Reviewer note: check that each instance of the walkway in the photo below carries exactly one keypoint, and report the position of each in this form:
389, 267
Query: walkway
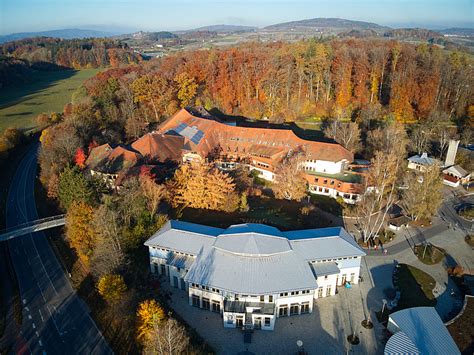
33, 226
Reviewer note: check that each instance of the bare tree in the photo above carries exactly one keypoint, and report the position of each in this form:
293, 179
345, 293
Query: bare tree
380, 196
290, 183
392, 138
419, 139
108, 254
346, 134
153, 192
167, 339
423, 196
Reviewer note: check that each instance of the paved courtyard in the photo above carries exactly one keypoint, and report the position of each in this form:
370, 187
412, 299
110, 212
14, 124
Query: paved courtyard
323, 332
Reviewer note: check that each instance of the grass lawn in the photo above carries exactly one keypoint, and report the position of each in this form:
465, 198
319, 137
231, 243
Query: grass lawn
48, 91
430, 255
415, 286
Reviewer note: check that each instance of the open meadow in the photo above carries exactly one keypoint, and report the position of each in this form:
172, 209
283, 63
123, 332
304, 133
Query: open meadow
47, 91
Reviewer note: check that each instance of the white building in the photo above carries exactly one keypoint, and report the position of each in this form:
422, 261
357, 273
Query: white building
421, 162
252, 273
455, 176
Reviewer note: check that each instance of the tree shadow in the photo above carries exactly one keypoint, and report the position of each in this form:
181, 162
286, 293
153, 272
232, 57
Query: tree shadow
39, 80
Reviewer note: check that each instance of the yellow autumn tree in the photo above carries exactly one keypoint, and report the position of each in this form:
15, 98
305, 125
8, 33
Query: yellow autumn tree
201, 185
187, 88
150, 315
111, 287
79, 230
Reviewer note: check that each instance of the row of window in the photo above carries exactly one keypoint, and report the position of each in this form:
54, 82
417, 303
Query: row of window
293, 309
207, 304
294, 293
205, 288
262, 165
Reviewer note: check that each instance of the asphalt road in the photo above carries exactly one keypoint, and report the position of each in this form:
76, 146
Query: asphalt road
55, 319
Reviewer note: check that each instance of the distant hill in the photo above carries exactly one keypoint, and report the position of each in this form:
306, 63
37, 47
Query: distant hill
464, 32
68, 33
413, 33
152, 36
325, 24
224, 28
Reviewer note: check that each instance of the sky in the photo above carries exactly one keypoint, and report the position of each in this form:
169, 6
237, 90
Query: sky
155, 15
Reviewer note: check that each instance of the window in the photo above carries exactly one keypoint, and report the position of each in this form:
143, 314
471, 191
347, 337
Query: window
270, 298
294, 309
267, 321
284, 294
352, 278
195, 301
320, 292
305, 307
262, 298
283, 310
328, 291
326, 277
332, 182
230, 319
216, 306
205, 303
179, 269
236, 297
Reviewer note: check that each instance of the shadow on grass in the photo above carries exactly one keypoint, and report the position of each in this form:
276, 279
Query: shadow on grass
39, 81
415, 286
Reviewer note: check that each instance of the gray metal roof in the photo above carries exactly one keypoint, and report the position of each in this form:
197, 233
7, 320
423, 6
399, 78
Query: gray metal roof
240, 307
185, 237
324, 243
252, 244
422, 159
251, 275
255, 259
323, 269
400, 343
426, 330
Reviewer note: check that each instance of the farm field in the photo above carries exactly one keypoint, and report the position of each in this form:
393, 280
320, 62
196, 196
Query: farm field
48, 91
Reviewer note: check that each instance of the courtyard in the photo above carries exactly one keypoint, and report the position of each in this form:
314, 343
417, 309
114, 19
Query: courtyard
322, 332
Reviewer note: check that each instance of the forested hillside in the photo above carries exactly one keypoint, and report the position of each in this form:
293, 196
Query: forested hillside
283, 81
73, 53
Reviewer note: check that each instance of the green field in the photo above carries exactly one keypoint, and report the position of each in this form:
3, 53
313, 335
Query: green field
46, 92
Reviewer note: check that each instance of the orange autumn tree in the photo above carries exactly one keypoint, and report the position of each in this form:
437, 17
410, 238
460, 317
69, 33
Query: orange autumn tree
80, 158
111, 287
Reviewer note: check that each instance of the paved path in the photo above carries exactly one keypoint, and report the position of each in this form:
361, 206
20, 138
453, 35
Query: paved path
55, 320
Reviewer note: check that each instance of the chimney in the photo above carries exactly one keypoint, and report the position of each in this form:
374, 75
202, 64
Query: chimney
451, 154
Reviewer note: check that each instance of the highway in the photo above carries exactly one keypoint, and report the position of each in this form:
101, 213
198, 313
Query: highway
55, 319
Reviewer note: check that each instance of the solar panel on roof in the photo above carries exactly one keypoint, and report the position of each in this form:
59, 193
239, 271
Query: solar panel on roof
180, 127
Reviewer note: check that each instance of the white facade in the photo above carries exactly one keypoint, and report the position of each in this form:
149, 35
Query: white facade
325, 167
281, 277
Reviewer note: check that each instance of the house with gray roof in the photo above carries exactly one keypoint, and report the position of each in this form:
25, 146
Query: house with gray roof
421, 162
253, 273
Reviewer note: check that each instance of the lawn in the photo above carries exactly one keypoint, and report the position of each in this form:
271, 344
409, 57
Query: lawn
429, 254
48, 91
415, 286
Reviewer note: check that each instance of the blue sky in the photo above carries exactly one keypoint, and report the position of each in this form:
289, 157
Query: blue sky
34, 15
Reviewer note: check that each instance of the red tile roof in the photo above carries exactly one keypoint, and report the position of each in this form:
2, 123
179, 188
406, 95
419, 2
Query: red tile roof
159, 147
239, 140
107, 160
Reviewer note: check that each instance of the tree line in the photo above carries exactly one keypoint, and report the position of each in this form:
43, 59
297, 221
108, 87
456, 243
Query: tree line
71, 53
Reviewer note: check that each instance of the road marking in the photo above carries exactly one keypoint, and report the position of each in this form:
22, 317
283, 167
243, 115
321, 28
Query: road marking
27, 309
41, 314
24, 300
29, 316
37, 334
34, 326
40, 342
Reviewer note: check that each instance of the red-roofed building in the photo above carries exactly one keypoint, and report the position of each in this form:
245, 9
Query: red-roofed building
204, 136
